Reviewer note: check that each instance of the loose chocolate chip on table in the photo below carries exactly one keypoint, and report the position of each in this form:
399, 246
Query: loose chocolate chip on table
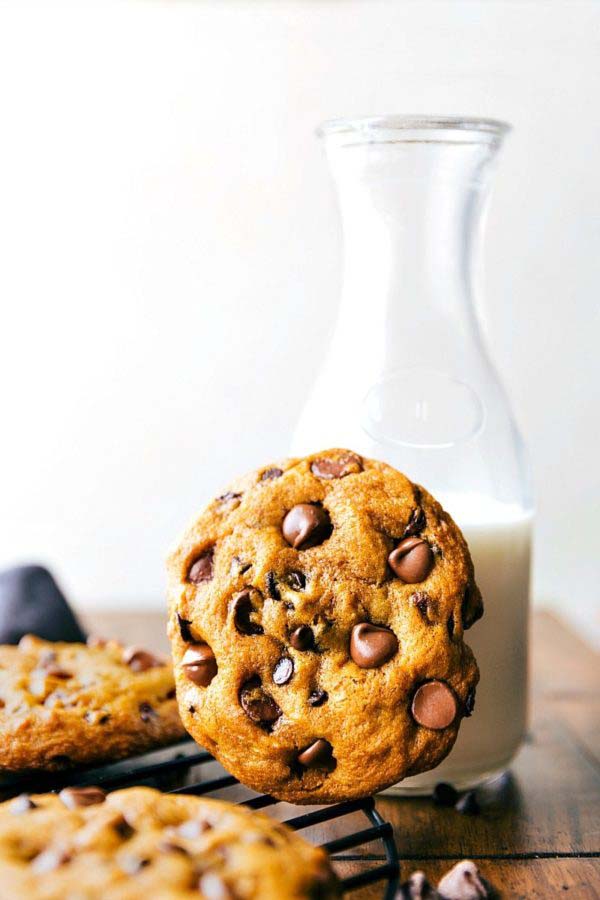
257, 704
22, 803
318, 698
283, 671
417, 888
463, 882
243, 610
270, 474
470, 703
416, 523
444, 794
199, 664
372, 645
472, 606
140, 660
184, 629
296, 580
202, 568
147, 713
302, 638
336, 467
434, 705
412, 560
74, 797
272, 589
319, 753
468, 804
306, 525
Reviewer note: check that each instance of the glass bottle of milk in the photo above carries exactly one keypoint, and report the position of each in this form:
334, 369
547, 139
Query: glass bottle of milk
408, 380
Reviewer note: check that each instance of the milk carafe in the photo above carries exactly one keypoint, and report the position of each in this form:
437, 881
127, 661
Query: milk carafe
408, 379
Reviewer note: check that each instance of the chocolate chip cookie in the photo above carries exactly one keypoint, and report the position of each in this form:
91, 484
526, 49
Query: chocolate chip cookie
66, 704
137, 844
317, 612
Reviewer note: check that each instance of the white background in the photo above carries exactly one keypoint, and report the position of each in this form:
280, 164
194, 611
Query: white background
169, 255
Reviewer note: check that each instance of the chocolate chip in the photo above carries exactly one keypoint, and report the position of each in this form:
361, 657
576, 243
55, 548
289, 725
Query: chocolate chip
258, 705
243, 611
238, 567
74, 797
469, 703
49, 860
417, 888
212, 887
434, 705
412, 560
167, 846
328, 467
96, 717
199, 664
316, 755
426, 605
306, 525
468, 804
372, 645
140, 660
147, 713
296, 580
450, 626
184, 629
283, 671
444, 794
131, 865
22, 803
123, 828
463, 882
227, 497
272, 589
416, 523
270, 474
471, 607
54, 671
302, 638
202, 568
318, 698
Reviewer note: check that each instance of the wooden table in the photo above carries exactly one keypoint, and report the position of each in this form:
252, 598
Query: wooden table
538, 832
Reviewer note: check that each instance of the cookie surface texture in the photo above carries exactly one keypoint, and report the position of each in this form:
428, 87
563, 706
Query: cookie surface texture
317, 611
137, 843
67, 704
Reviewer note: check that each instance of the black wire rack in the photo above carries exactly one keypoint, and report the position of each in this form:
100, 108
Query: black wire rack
354, 833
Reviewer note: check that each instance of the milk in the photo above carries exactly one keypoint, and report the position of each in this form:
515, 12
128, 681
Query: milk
499, 538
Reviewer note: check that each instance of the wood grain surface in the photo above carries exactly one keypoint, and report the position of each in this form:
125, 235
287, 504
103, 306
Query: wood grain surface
538, 832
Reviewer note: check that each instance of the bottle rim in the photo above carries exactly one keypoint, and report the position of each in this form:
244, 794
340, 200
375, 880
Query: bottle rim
405, 128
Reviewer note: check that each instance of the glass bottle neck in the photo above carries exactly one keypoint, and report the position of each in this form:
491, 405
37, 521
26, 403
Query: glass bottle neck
411, 215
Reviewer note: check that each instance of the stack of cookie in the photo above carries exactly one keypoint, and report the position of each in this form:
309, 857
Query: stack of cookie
317, 610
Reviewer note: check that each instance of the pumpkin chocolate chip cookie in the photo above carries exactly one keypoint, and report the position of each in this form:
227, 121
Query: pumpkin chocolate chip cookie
138, 843
66, 704
317, 611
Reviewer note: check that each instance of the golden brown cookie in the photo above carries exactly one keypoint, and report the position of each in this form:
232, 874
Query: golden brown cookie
137, 844
64, 704
317, 611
